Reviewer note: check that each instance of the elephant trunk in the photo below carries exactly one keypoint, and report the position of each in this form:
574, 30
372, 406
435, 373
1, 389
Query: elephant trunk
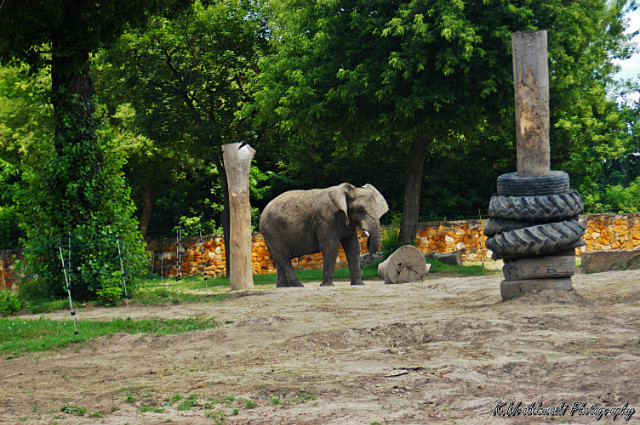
372, 226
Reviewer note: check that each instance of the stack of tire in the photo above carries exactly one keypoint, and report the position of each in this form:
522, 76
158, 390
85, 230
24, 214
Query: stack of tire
534, 227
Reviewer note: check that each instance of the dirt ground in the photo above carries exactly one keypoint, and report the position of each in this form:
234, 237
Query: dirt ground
443, 351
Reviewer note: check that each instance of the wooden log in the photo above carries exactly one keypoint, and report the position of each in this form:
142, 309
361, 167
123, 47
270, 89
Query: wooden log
531, 81
405, 265
553, 266
453, 258
515, 288
237, 162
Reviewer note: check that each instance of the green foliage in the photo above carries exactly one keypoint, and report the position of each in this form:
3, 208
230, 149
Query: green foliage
25, 119
74, 410
109, 295
10, 303
77, 188
390, 240
27, 27
20, 336
352, 84
82, 195
185, 77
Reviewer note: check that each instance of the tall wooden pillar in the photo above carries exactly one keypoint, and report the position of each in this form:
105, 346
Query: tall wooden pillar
538, 250
531, 80
237, 162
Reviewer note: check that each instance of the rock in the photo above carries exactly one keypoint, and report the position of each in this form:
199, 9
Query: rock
601, 261
453, 258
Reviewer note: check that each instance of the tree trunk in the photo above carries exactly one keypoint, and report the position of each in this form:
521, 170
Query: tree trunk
412, 188
72, 90
75, 137
146, 208
225, 211
237, 160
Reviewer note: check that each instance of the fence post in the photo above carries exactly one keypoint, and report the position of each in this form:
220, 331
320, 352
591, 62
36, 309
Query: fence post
124, 281
204, 263
4, 284
178, 255
66, 281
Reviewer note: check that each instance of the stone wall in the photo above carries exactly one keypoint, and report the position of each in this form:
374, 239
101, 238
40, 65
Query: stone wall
604, 232
198, 257
607, 232
449, 236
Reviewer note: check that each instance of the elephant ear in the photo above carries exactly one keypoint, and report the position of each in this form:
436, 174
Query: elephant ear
339, 196
381, 206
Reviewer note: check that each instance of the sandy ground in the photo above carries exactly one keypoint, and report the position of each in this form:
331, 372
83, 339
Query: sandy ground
443, 351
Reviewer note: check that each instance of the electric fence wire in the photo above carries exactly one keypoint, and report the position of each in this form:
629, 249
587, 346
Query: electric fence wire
18, 279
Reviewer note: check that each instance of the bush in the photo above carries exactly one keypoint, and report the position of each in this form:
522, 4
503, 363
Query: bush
80, 194
390, 240
110, 295
9, 303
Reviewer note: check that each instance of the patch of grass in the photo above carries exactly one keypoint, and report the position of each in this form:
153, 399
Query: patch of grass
153, 409
199, 282
20, 336
174, 295
186, 405
469, 270
300, 398
74, 410
45, 305
228, 401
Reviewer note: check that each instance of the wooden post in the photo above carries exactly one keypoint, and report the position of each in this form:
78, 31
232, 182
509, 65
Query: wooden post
237, 162
531, 81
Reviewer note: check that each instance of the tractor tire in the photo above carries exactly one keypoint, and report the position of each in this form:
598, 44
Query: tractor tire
511, 184
538, 208
493, 226
539, 240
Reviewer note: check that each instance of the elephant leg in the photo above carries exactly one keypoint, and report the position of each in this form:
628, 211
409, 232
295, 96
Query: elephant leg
285, 275
351, 247
329, 257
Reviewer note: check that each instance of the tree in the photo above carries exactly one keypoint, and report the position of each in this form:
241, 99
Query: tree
187, 77
416, 74
25, 118
80, 189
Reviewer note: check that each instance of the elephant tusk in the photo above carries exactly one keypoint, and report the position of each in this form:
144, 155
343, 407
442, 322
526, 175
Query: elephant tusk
366, 233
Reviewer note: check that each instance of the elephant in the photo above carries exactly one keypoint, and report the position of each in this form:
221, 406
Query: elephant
301, 222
